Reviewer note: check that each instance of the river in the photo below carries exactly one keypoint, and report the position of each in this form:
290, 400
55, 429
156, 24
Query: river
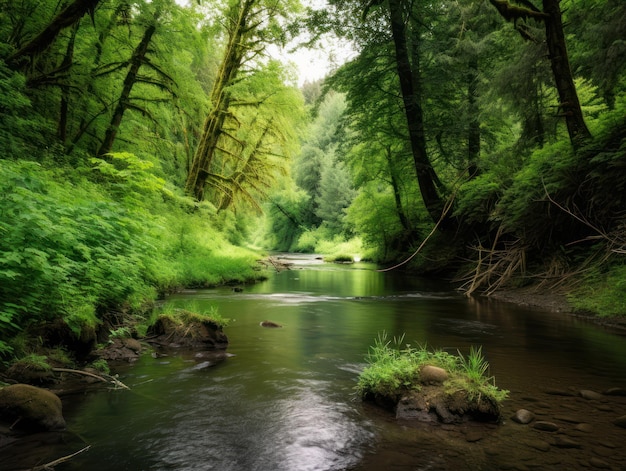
284, 400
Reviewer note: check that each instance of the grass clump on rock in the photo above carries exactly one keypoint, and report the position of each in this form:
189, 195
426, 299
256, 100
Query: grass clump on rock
418, 382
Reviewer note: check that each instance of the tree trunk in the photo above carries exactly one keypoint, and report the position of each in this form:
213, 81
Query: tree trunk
220, 100
473, 133
136, 60
70, 15
65, 91
411, 96
404, 220
570, 105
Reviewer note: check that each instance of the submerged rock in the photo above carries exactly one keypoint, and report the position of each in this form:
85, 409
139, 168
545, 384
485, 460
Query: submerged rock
270, 324
31, 408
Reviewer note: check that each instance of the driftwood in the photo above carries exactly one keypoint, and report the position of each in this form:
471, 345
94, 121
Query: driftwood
49, 466
105, 378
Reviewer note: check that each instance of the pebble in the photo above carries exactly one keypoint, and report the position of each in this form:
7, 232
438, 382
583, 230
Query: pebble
604, 452
591, 395
545, 426
604, 408
523, 416
615, 392
564, 442
568, 418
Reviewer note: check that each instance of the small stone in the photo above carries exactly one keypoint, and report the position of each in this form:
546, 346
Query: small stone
591, 395
598, 463
545, 426
523, 416
564, 442
605, 408
620, 421
604, 452
615, 392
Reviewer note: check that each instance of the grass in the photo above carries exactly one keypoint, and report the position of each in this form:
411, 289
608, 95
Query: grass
394, 369
192, 312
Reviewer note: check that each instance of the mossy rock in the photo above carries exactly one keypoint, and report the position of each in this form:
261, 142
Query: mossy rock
31, 408
189, 331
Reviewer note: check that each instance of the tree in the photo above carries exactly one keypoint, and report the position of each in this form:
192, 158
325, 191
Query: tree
250, 26
66, 18
559, 60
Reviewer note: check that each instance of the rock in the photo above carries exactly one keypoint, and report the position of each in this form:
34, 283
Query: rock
591, 395
565, 442
270, 324
620, 421
32, 408
523, 416
433, 375
545, 426
615, 392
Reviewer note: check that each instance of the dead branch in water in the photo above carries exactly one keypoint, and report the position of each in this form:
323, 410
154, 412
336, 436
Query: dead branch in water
49, 466
105, 378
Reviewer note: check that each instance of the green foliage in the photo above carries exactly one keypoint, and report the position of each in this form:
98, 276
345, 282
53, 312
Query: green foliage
394, 369
100, 365
603, 292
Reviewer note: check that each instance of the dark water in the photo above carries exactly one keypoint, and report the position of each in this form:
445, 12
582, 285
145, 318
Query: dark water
285, 400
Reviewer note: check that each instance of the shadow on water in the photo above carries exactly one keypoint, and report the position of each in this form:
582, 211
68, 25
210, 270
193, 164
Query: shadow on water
285, 400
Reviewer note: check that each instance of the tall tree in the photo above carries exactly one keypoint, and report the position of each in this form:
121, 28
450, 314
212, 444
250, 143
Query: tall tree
251, 25
559, 60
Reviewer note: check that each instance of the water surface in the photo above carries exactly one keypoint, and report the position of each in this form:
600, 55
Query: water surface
285, 400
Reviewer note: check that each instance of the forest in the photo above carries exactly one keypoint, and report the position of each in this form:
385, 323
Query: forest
149, 146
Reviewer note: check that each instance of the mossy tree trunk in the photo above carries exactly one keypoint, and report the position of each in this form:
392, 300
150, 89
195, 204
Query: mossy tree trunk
232, 61
570, 105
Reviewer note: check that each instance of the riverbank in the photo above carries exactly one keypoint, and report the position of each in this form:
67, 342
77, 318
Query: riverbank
554, 301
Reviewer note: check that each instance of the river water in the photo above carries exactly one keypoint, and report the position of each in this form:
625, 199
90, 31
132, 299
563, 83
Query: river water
284, 400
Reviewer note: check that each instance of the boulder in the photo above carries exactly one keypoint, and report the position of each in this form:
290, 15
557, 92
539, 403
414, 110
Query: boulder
31, 408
